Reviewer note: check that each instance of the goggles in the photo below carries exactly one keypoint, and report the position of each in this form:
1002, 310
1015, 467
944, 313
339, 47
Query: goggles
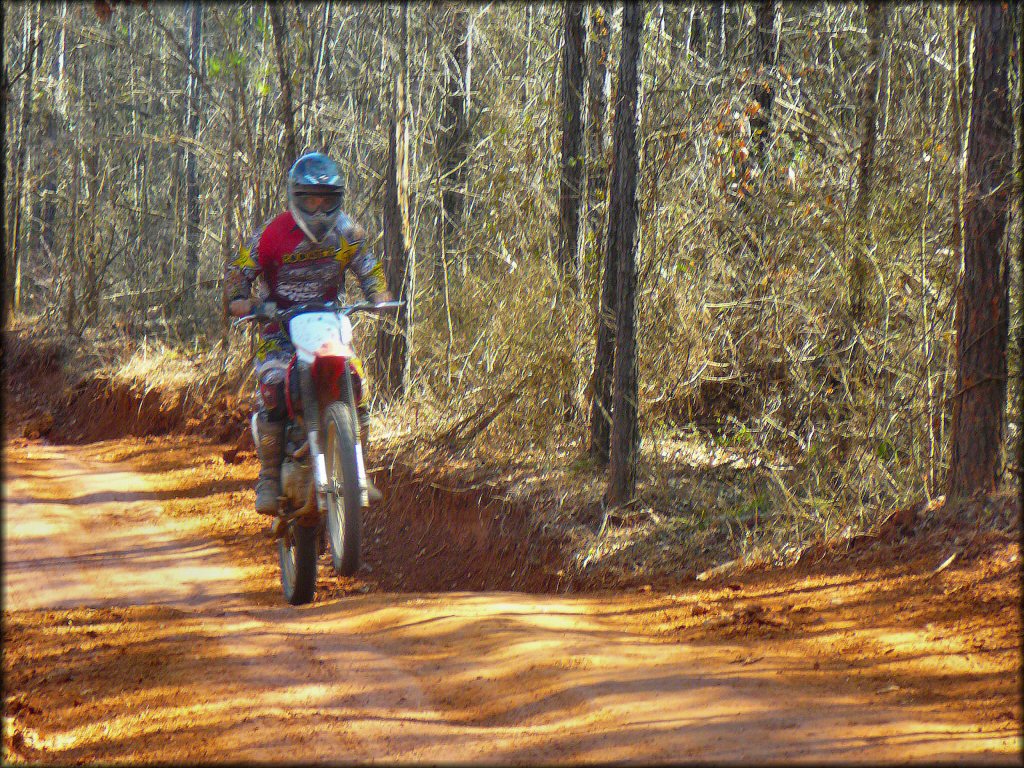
314, 203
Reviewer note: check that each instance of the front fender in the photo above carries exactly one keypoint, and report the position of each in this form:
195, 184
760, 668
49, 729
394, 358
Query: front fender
329, 370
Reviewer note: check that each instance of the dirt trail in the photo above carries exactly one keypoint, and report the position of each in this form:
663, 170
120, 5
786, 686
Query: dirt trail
131, 634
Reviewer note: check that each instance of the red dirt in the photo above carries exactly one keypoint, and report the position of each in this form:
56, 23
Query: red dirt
125, 580
457, 539
143, 621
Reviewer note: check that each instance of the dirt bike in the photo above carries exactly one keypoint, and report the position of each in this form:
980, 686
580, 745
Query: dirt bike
323, 486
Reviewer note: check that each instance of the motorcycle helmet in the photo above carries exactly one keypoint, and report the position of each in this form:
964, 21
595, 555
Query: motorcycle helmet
315, 191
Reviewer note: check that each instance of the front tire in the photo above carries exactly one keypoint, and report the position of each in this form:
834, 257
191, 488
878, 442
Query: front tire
297, 552
343, 508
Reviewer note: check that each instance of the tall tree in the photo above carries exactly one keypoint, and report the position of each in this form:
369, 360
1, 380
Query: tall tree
573, 150
4, 95
598, 93
393, 342
227, 245
278, 22
766, 54
453, 143
49, 202
866, 161
1019, 172
192, 110
694, 31
604, 350
16, 217
960, 82
625, 435
322, 64
4, 85
977, 447
716, 34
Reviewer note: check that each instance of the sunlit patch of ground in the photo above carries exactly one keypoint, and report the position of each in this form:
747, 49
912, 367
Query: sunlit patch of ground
910, 634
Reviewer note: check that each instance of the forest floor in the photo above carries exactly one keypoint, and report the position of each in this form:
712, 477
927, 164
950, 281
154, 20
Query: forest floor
143, 621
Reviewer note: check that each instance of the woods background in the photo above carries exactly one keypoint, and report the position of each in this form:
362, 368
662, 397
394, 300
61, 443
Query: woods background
796, 229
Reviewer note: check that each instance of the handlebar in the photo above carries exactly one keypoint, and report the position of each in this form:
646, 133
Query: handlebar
268, 311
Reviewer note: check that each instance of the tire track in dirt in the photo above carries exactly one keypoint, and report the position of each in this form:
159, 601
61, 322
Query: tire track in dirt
79, 533
132, 643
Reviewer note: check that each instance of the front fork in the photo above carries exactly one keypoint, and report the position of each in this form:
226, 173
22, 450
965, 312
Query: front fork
364, 500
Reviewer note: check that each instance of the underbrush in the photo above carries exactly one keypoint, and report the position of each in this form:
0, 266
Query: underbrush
771, 422
769, 425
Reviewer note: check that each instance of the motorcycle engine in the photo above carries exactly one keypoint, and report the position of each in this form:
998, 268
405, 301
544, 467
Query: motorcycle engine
295, 481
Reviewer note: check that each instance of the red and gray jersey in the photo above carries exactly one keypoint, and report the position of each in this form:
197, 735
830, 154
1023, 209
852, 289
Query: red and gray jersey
297, 270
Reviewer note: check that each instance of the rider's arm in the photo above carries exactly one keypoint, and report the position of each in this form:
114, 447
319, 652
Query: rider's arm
239, 274
368, 269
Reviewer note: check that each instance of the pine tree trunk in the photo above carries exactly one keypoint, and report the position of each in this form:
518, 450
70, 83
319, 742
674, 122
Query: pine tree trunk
4, 96
15, 256
277, 21
866, 163
573, 152
752, 169
597, 183
1017, 244
49, 203
766, 48
323, 60
71, 245
597, 122
228, 246
5, 87
716, 35
982, 319
393, 342
625, 435
192, 234
604, 354
960, 95
453, 143
93, 185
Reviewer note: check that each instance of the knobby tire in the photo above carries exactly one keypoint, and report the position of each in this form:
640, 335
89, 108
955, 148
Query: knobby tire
344, 514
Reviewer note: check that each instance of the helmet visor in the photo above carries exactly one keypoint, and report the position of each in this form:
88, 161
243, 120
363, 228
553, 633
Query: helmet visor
313, 202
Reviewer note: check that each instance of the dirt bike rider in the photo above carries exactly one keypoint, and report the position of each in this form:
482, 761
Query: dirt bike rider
300, 255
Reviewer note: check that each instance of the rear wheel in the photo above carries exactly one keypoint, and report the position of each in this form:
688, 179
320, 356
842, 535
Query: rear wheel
344, 494
297, 551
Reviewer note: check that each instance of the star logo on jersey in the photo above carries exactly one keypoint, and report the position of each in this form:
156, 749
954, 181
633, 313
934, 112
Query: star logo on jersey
346, 251
244, 260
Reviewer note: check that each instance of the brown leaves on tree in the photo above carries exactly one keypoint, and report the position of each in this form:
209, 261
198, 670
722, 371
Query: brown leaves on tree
105, 8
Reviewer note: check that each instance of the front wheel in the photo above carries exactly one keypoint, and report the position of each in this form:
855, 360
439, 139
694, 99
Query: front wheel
297, 551
344, 494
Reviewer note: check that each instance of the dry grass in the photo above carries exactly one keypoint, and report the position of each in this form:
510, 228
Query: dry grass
770, 420
767, 422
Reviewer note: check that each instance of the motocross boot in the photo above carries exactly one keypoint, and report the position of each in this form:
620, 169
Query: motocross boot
269, 449
372, 494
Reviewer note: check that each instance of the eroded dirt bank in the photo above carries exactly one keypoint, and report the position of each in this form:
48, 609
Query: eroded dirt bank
143, 622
